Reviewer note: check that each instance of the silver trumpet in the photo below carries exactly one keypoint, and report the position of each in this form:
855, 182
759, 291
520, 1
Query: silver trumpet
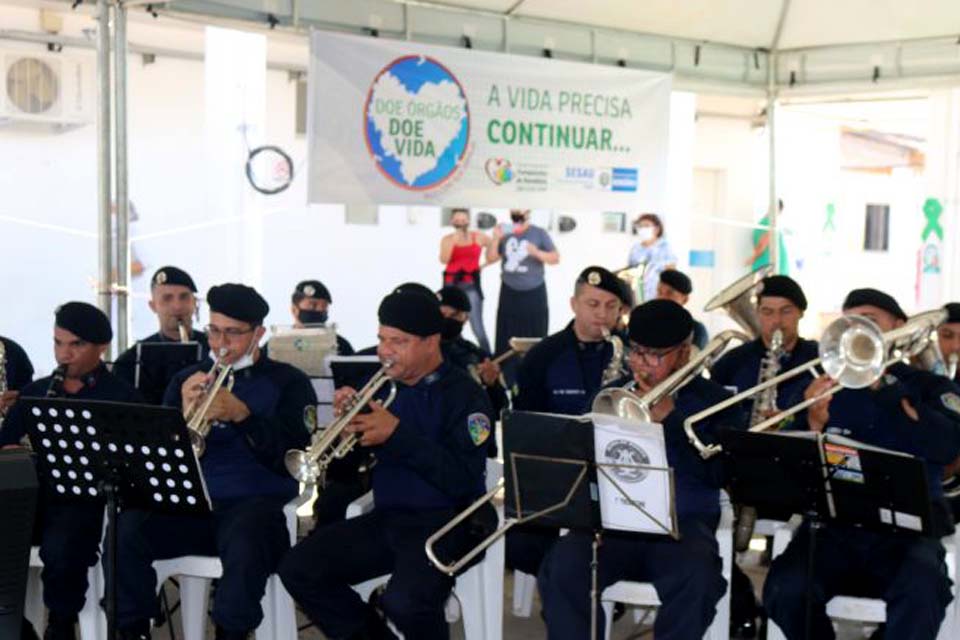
853, 352
309, 466
198, 424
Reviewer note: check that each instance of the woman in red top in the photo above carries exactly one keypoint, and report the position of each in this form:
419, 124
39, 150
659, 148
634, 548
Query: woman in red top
461, 252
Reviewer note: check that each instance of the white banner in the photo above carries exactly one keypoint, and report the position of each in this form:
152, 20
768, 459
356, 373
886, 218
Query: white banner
406, 123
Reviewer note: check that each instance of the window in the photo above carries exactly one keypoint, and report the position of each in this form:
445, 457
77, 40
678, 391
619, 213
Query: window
876, 235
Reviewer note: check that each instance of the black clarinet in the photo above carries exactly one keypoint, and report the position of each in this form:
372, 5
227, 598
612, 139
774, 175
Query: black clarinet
56, 381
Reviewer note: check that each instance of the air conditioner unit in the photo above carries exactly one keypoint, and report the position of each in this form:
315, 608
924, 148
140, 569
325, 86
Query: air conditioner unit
46, 89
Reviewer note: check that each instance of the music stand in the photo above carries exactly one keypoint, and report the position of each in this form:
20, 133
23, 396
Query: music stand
130, 454
353, 371
827, 478
158, 362
575, 472
18, 495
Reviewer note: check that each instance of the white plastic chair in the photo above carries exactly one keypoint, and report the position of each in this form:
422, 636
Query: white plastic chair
643, 594
479, 589
195, 573
92, 620
872, 611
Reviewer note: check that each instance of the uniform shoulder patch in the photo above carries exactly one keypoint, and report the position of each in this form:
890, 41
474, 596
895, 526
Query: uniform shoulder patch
310, 417
951, 401
478, 426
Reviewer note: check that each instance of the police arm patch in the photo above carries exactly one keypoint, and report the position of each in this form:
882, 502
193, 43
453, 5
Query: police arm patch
478, 426
951, 401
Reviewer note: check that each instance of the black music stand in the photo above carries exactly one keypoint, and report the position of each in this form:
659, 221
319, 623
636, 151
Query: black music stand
130, 455
554, 476
827, 478
18, 495
158, 362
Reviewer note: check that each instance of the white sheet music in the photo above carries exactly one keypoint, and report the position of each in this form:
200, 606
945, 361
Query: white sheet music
627, 442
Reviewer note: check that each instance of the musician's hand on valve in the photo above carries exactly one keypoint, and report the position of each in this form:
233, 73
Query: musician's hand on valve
342, 398
489, 372
7, 399
375, 427
192, 389
227, 407
819, 412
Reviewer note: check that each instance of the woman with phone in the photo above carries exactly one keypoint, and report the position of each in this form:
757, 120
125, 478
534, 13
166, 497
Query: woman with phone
523, 250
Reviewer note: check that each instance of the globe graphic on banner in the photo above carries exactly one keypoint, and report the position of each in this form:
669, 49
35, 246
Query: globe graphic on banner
416, 123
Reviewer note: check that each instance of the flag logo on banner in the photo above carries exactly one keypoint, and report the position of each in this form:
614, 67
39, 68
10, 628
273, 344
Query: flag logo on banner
417, 123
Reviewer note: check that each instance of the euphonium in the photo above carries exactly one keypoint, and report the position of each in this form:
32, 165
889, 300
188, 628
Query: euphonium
310, 465
198, 424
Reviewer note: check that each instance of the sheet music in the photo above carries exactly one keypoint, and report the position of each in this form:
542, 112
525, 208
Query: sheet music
645, 478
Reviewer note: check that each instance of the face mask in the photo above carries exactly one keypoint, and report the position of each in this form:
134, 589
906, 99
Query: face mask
462, 226
518, 218
309, 316
450, 329
646, 233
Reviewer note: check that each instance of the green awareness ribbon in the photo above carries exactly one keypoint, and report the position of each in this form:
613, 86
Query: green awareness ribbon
932, 210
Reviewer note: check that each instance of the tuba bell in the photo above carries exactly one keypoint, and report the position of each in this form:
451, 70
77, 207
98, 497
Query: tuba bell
739, 300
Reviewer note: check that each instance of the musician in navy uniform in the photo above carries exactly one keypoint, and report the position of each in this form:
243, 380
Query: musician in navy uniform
559, 375
460, 352
310, 306
173, 297
431, 447
69, 533
271, 409
18, 371
908, 410
686, 572
781, 304
676, 285
948, 335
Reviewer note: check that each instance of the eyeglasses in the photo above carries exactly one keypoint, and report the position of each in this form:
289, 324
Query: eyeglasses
651, 358
230, 333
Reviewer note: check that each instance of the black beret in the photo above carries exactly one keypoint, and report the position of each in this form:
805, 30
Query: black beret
454, 297
313, 289
173, 275
416, 287
238, 301
677, 280
84, 321
626, 294
783, 287
659, 324
602, 279
953, 311
411, 312
874, 298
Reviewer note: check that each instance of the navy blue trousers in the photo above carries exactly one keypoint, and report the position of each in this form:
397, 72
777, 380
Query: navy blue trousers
319, 571
907, 572
686, 573
250, 537
69, 537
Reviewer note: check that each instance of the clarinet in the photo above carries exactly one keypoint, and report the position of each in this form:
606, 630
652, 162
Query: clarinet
56, 382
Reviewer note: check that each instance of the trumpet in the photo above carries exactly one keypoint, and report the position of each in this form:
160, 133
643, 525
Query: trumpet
310, 465
853, 352
198, 424
625, 403
518, 346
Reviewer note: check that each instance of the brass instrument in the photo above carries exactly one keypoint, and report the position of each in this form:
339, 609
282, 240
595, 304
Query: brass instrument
57, 378
183, 331
518, 346
625, 403
931, 359
309, 466
739, 300
615, 367
853, 352
198, 424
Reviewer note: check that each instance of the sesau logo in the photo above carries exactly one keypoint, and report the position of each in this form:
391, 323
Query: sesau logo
579, 173
416, 122
626, 452
499, 170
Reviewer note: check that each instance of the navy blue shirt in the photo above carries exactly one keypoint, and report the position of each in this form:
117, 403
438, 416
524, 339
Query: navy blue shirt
464, 354
245, 458
561, 373
99, 384
697, 482
740, 368
153, 381
436, 457
16, 364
